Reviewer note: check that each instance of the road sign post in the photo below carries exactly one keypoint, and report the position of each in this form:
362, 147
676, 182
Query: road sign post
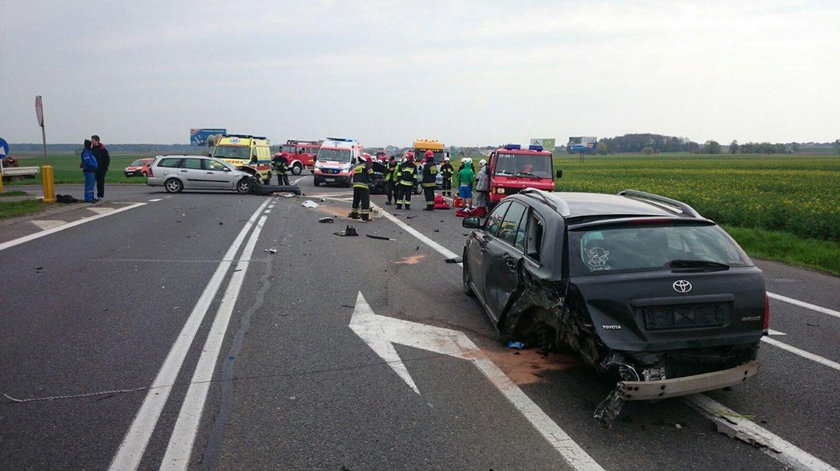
39, 113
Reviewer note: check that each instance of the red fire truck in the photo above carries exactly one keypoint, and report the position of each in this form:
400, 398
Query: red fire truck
300, 154
513, 168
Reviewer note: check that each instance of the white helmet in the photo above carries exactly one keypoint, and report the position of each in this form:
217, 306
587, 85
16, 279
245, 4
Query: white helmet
446, 159
482, 162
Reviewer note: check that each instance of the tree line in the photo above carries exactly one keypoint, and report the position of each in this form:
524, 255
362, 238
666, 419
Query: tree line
657, 143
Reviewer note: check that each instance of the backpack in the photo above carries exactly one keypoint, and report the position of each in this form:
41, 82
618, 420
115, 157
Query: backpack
89, 163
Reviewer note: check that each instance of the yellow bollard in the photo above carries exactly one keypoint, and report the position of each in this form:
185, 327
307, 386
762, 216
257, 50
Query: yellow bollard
48, 182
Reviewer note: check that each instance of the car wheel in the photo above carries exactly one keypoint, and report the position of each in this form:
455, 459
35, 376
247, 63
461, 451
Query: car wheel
243, 186
297, 169
316, 182
173, 185
467, 278
418, 189
347, 183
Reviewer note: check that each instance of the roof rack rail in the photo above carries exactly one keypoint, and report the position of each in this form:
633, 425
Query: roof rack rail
654, 198
541, 195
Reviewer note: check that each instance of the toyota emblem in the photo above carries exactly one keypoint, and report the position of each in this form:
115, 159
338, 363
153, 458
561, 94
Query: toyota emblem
682, 286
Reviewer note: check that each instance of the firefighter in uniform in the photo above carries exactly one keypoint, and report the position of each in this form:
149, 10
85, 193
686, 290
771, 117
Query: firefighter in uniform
391, 176
405, 186
430, 171
281, 168
362, 176
447, 171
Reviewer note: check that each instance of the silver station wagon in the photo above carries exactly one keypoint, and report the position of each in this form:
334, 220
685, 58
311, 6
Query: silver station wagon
194, 172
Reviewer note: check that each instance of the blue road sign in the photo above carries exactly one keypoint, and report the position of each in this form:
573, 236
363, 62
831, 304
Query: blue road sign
4, 148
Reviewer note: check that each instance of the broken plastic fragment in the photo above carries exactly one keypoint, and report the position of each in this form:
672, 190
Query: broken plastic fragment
348, 231
309, 204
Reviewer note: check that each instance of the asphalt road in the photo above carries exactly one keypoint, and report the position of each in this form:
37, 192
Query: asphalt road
101, 311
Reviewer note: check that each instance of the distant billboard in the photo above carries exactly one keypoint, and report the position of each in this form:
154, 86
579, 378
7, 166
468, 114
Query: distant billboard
198, 137
582, 144
546, 143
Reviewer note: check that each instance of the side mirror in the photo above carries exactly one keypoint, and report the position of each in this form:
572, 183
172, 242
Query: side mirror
471, 222
225, 169
559, 174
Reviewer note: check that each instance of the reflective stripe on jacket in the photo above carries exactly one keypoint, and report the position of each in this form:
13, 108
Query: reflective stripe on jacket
407, 172
430, 171
362, 176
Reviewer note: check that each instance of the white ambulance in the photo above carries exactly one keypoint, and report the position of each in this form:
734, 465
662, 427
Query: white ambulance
334, 163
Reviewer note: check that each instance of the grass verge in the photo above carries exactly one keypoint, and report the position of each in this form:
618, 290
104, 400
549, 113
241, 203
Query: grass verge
17, 208
787, 248
13, 193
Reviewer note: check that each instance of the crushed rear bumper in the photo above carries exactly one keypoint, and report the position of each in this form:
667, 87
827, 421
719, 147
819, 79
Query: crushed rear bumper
647, 390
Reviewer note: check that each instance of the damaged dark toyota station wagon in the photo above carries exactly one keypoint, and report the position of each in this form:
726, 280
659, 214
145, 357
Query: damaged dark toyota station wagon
639, 285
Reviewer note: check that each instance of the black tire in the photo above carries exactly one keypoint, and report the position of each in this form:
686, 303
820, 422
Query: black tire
243, 186
316, 182
297, 168
347, 184
173, 185
466, 277
418, 189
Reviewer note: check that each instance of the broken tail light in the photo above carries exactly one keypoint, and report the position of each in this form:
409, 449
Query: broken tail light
766, 324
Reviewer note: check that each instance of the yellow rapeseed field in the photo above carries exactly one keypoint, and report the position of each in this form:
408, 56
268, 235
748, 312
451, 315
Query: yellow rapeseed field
798, 194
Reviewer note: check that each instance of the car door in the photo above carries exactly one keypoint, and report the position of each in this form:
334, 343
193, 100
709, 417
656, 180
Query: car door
192, 173
504, 253
477, 254
217, 176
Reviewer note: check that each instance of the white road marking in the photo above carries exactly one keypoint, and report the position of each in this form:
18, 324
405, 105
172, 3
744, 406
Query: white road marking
422, 238
100, 210
796, 302
24, 239
155, 200
134, 444
775, 332
824, 361
380, 332
48, 223
180, 446
777, 447
296, 181
802, 353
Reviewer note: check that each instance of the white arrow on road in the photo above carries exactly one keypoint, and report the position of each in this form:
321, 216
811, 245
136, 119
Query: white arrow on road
381, 333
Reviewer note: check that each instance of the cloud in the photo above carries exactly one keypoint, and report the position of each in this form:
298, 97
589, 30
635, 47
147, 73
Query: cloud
467, 72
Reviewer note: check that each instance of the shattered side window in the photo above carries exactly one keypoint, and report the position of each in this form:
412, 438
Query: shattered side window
534, 237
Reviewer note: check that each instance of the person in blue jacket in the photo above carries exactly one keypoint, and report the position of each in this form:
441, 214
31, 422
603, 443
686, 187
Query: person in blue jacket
89, 167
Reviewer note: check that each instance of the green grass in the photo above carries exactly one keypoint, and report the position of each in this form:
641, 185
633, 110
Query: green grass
13, 193
17, 208
784, 207
785, 247
66, 168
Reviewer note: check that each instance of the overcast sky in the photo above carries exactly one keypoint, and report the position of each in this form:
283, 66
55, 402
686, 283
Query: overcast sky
468, 73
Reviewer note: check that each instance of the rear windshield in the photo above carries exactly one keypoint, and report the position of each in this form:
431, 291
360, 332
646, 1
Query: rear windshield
523, 165
232, 152
644, 248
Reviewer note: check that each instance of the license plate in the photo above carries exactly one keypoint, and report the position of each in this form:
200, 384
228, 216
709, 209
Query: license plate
329, 179
685, 316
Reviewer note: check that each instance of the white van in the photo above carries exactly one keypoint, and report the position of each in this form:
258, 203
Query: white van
334, 163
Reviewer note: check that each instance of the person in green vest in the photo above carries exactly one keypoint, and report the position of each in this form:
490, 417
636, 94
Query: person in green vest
391, 176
